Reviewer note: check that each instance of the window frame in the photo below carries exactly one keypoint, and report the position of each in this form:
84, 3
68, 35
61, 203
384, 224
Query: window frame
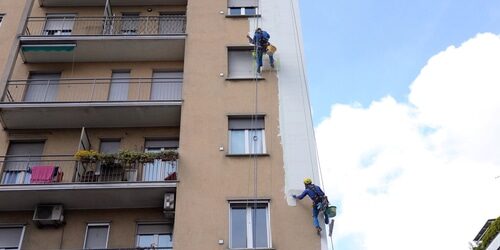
110, 140
247, 131
23, 175
253, 67
249, 204
156, 236
20, 243
243, 11
62, 16
96, 225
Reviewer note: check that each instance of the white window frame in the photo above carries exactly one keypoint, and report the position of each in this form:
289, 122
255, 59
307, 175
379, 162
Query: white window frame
156, 237
248, 143
96, 225
20, 243
243, 11
249, 204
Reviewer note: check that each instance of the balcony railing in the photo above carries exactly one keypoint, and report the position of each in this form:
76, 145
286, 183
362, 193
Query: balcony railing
93, 90
54, 169
105, 26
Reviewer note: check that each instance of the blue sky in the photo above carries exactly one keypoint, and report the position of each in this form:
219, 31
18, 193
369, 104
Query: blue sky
360, 51
370, 52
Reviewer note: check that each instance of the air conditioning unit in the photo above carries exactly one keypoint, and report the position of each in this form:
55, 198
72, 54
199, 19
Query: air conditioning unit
168, 202
49, 215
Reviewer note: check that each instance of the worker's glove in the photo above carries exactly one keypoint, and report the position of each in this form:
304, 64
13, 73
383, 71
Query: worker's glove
294, 196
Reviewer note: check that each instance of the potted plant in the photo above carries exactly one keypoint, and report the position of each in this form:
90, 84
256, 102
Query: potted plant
108, 160
128, 158
87, 156
147, 157
168, 155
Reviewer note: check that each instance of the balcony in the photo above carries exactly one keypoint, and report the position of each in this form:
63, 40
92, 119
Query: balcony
77, 3
100, 102
77, 185
67, 38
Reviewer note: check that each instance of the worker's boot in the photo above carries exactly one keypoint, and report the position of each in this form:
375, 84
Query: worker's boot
318, 230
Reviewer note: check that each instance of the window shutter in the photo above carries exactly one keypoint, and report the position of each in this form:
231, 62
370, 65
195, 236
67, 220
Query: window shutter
162, 143
246, 123
241, 63
119, 86
109, 147
28, 154
242, 3
10, 237
42, 88
166, 86
59, 22
154, 229
97, 237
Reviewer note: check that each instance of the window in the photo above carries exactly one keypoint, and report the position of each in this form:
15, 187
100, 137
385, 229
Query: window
249, 225
242, 7
166, 86
246, 135
154, 235
109, 146
11, 237
242, 11
130, 23
42, 87
118, 91
160, 170
59, 24
96, 236
241, 62
21, 156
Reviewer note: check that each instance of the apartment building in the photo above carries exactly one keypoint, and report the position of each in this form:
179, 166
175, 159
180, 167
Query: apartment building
143, 125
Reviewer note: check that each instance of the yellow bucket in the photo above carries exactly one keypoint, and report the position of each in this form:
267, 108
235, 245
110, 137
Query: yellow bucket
270, 49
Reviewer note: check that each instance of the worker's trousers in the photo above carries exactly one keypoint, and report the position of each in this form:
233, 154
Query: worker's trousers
315, 212
260, 54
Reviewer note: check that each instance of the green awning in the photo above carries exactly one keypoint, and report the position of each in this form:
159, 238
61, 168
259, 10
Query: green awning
47, 47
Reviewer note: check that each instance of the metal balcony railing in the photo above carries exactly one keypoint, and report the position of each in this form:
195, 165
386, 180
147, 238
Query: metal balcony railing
93, 90
105, 26
53, 169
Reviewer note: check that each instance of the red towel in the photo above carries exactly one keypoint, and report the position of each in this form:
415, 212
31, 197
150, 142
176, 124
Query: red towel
42, 174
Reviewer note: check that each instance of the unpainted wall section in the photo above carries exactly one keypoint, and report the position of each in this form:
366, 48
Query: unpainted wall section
122, 231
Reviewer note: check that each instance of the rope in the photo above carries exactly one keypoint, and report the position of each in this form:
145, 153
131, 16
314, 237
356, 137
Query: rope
253, 134
302, 75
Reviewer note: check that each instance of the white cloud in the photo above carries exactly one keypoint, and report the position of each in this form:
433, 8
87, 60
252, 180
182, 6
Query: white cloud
420, 175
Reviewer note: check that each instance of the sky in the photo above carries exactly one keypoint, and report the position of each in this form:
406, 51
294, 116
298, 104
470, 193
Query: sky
406, 106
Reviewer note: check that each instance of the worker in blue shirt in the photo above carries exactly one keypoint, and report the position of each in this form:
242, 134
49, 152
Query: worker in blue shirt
320, 201
261, 41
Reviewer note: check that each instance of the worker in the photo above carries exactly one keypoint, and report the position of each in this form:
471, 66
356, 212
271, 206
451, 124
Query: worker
320, 202
261, 41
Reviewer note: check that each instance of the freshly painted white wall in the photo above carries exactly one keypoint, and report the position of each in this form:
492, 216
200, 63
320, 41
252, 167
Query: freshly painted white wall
281, 18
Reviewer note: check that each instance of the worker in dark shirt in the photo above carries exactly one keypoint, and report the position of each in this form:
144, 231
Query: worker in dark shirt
320, 202
261, 41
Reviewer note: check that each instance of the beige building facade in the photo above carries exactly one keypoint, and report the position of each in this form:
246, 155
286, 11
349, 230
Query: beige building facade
144, 125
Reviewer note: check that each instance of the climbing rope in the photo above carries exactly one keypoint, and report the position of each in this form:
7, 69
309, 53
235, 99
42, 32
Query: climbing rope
253, 133
302, 75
